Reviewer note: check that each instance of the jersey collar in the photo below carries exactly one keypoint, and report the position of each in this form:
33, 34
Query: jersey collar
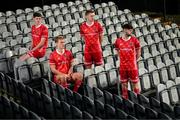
90, 25
38, 26
59, 52
127, 39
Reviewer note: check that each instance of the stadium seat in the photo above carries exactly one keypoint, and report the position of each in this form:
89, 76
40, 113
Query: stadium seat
31, 98
7, 108
46, 87
155, 78
129, 107
155, 104
58, 113
39, 103
24, 112
132, 96
118, 102
108, 97
101, 77
112, 74
76, 113
15, 110
53, 89
61, 93
177, 80
69, 96
88, 91
44, 67
176, 111
99, 109
139, 111
172, 72
110, 112
88, 105
164, 75
23, 94
87, 115
150, 113
120, 114
77, 100
33, 115
48, 111
66, 110
165, 108
98, 94
91, 80
145, 82
143, 100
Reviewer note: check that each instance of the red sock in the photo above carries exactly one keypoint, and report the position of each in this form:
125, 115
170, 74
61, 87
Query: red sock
77, 85
136, 90
125, 93
65, 85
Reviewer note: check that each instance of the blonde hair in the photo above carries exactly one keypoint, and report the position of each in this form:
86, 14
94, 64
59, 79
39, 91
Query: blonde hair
59, 37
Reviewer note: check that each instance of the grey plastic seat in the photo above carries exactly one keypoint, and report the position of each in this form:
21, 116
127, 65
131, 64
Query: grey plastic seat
172, 72
90, 78
101, 77
164, 75
37, 9
145, 82
155, 78
177, 80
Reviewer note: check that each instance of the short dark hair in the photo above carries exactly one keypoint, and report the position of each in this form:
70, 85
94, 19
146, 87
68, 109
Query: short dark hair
57, 38
88, 12
127, 26
36, 14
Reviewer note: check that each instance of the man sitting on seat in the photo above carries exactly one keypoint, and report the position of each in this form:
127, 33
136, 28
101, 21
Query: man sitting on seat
61, 64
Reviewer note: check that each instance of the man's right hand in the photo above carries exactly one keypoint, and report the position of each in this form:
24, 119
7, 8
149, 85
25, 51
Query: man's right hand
63, 77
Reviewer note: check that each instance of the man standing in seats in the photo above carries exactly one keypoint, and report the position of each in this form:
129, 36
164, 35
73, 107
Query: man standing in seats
128, 48
92, 33
61, 64
39, 39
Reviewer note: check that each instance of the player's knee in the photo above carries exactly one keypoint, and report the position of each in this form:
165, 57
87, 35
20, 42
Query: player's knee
124, 84
135, 84
78, 76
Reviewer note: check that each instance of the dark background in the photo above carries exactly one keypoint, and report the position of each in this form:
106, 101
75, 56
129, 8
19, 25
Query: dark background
172, 6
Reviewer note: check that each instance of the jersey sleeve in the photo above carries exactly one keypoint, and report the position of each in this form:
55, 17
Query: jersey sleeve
51, 59
116, 46
100, 28
45, 32
137, 43
70, 56
81, 30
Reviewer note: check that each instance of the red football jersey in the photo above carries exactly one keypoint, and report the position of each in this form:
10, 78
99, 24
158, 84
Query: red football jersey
38, 33
91, 35
61, 61
127, 52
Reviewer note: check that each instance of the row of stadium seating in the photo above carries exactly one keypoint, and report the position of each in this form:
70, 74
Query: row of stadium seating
159, 43
57, 102
169, 92
159, 63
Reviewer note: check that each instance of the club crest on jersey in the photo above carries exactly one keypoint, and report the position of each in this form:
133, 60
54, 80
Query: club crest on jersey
131, 44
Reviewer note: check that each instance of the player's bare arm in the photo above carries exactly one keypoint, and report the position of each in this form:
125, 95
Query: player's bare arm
40, 44
138, 53
101, 37
56, 72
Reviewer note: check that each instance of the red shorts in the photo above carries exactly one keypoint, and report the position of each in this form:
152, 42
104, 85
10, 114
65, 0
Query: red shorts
93, 57
125, 75
37, 53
